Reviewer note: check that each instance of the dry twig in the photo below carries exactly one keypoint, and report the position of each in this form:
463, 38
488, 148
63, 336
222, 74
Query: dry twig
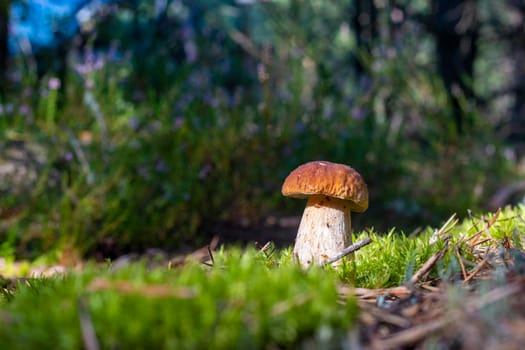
268, 249
386, 317
476, 235
475, 270
460, 260
350, 249
428, 265
210, 252
417, 333
366, 293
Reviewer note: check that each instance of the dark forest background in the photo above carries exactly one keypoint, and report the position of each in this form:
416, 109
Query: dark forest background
163, 123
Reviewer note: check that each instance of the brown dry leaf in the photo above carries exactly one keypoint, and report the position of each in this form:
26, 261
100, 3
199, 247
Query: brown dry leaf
150, 290
366, 293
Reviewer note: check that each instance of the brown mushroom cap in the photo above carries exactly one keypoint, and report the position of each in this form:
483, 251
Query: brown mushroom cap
329, 179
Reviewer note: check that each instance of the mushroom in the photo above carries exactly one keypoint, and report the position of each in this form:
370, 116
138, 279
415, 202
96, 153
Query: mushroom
333, 191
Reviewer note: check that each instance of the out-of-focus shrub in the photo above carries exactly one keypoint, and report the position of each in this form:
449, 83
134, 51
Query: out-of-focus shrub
179, 118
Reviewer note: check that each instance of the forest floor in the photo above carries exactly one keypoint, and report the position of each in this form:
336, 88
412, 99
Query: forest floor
472, 311
480, 306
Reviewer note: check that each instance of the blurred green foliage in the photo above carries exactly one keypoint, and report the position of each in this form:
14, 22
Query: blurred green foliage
171, 121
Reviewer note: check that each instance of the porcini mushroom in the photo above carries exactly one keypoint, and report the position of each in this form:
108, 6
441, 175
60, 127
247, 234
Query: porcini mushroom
333, 191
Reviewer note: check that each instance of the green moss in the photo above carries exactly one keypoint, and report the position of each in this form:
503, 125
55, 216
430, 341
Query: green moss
238, 303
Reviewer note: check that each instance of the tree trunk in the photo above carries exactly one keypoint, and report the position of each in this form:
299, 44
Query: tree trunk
516, 127
456, 31
4, 26
364, 22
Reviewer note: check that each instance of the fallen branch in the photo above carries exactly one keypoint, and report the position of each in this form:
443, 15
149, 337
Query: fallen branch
350, 249
419, 332
366, 293
411, 335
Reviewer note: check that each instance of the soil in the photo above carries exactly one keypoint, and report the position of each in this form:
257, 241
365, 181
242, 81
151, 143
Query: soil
280, 231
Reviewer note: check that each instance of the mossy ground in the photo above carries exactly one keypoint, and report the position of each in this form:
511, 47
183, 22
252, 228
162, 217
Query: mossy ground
242, 298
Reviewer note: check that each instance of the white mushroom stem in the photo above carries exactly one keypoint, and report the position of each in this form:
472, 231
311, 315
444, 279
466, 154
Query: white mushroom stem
324, 231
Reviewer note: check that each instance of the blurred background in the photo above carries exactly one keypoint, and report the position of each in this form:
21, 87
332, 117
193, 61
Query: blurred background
162, 123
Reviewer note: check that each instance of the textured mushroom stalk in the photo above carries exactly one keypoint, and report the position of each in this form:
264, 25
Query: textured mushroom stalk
325, 230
